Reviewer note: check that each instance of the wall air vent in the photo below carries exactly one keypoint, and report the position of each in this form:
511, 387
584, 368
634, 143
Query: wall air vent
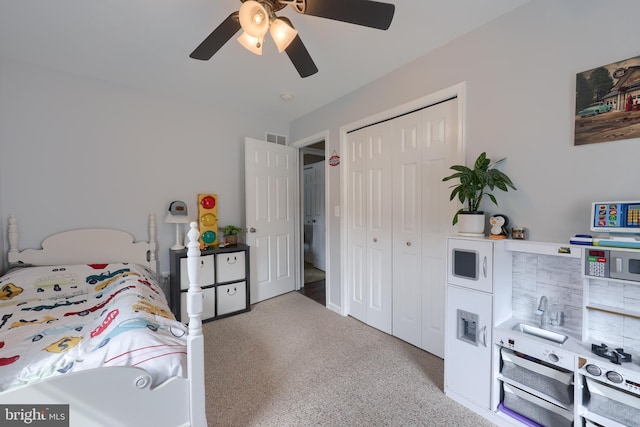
276, 139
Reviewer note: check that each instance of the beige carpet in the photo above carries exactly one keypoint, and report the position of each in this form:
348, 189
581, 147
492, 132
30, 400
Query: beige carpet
292, 362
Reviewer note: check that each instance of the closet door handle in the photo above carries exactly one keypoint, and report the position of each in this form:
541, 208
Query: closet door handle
375, 240
408, 243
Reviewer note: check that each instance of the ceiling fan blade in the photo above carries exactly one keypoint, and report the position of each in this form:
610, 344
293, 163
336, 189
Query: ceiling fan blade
299, 55
217, 38
360, 12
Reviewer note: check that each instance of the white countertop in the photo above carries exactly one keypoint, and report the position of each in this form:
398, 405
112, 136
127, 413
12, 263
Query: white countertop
573, 345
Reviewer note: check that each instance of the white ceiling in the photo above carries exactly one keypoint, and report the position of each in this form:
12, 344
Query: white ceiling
145, 44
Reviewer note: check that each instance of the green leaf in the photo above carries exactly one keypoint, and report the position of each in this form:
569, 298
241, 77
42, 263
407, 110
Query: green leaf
455, 217
480, 161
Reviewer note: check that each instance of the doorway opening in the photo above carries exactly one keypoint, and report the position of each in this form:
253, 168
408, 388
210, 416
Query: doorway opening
314, 222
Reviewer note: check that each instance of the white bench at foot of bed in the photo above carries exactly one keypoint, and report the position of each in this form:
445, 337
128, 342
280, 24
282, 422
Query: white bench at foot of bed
115, 396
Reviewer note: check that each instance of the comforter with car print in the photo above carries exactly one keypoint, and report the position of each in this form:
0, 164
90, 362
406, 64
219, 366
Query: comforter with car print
55, 320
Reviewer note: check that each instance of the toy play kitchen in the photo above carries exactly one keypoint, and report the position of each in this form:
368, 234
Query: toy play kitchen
546, 334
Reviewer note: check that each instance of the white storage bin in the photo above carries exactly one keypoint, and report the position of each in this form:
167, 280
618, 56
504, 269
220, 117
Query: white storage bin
208, 305
232, 297
552, 381
206, 275
536, 409
231, 266
613, 403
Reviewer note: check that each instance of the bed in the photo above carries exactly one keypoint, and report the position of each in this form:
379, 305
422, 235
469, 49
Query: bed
84, 323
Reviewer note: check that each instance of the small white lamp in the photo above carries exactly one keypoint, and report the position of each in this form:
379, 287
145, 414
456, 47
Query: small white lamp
177, 215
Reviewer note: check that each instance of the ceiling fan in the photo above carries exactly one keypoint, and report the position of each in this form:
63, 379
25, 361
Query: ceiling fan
256, 17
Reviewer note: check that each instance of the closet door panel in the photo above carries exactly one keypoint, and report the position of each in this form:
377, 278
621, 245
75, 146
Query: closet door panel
379, 149
357, 226
442, 148
407, 224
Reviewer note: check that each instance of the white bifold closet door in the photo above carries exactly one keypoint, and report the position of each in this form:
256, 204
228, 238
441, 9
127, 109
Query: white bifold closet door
399, 217
426, 144
369, 235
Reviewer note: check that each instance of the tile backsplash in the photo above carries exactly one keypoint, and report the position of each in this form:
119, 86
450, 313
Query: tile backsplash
560, 280
557, 278
611, 329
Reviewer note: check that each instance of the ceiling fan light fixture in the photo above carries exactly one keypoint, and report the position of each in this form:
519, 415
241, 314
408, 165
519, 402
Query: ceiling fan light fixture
254, 18
252, 44
282, 33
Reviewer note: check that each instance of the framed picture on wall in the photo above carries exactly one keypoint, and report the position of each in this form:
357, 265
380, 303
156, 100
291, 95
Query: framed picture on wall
608, 103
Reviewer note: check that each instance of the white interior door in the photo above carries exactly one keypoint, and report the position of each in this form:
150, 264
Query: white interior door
314, 216
442, 148
308, 175
318, 217
379, 148
271, 176
407, 228
369, 226
356, 262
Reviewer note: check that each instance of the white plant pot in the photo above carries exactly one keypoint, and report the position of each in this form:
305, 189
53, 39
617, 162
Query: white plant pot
471, 224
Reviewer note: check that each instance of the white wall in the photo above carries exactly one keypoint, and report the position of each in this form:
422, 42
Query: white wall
77, 152
520, 71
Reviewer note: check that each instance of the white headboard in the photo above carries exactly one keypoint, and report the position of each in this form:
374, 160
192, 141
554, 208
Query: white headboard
86, 246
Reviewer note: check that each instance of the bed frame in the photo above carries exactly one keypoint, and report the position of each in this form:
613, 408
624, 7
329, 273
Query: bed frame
118, 396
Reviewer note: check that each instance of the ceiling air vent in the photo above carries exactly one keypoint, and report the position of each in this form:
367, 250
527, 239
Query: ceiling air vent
276, 139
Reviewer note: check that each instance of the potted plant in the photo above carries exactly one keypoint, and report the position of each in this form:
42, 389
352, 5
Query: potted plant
473, 185
231, 234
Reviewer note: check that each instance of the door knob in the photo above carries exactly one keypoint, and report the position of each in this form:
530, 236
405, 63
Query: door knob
408, 243
375, 240
252, 230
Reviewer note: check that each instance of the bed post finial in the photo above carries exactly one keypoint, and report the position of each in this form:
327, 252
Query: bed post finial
12, 234
153, 245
